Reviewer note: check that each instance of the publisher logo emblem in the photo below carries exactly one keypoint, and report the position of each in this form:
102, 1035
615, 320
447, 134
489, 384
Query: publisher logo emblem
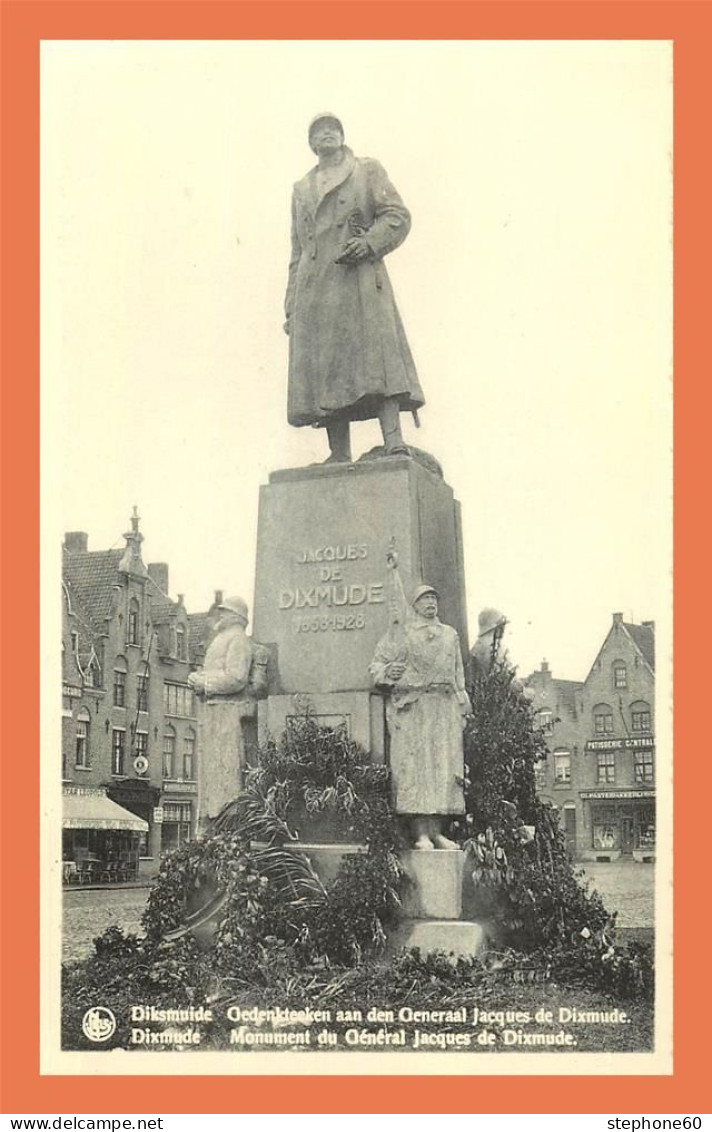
98, 1024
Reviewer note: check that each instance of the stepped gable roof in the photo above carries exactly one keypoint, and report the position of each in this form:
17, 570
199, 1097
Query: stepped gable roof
82, 620
91, 576
566, 692
198, 634
643, 637
163, 608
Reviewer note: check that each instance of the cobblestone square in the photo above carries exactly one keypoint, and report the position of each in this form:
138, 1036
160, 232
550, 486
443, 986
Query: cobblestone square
89, 912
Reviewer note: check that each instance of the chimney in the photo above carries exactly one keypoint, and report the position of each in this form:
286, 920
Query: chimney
218, 597
76, 541
649, 625
545, 666
617, 618
158, 573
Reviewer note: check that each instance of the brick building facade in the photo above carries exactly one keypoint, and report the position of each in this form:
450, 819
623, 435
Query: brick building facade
129, 731
600, 772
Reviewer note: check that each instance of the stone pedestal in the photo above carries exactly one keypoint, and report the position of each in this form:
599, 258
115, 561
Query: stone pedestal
321, 596
433, 905
434, 890
461, 938
322, 604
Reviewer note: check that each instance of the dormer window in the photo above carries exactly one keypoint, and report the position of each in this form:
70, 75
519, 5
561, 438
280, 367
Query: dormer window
545, 720
180, 642
132, 636
620, 675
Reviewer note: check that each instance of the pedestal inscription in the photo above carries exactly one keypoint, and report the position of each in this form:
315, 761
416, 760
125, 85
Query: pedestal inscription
322, 536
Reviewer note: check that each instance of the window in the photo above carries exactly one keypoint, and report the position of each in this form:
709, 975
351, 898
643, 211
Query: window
562, 766
620, 675
169, 751
120, 682
133, 627
545, 720
640, 716
118, 750
142, 691
141, 743
82, 758
177, 825
178, 699
180, 642
189, 755
603, 719
606, 766
644, 766
646, 828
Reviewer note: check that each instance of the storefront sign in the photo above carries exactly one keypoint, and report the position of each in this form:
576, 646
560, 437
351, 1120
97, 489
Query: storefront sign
158, 815
614, 795
644, 742
71, 691
180, 788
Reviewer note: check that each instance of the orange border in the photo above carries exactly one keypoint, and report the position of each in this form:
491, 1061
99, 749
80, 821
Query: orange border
24, 23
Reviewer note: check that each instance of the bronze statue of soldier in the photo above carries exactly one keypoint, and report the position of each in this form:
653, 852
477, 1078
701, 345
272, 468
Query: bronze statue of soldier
349, 358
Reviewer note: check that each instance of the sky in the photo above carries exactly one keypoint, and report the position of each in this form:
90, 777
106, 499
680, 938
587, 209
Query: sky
535, 290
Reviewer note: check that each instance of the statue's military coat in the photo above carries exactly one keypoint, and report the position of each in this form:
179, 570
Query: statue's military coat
347, 346
424, 712
220, 715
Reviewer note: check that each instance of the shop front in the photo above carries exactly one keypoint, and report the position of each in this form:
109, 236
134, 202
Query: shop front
621, 824
100, 840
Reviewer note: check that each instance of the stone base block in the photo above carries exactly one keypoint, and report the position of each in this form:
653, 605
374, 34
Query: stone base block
459, 938
326, 859
435, 888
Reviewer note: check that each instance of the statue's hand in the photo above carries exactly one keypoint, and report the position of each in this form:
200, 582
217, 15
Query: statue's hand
392, 559
355, 250
394, 670
197, 681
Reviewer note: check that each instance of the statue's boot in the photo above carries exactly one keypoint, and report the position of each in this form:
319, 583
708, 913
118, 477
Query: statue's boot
438, 837
339, 435
443, 842
389, 418
421, 833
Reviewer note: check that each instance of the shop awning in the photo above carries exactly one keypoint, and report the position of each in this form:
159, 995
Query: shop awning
96, 811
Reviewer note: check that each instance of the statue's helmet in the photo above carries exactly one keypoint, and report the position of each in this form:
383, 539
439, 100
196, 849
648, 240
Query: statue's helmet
421, 591
490, 619
236, 605
325, 116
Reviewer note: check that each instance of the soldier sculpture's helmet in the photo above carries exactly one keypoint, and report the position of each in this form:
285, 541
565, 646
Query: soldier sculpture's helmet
325, 116
236, 605
488, 620
421, 591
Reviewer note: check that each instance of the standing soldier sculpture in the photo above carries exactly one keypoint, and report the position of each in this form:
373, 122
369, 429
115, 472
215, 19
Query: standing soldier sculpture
348, 354
230, 681
419, 664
